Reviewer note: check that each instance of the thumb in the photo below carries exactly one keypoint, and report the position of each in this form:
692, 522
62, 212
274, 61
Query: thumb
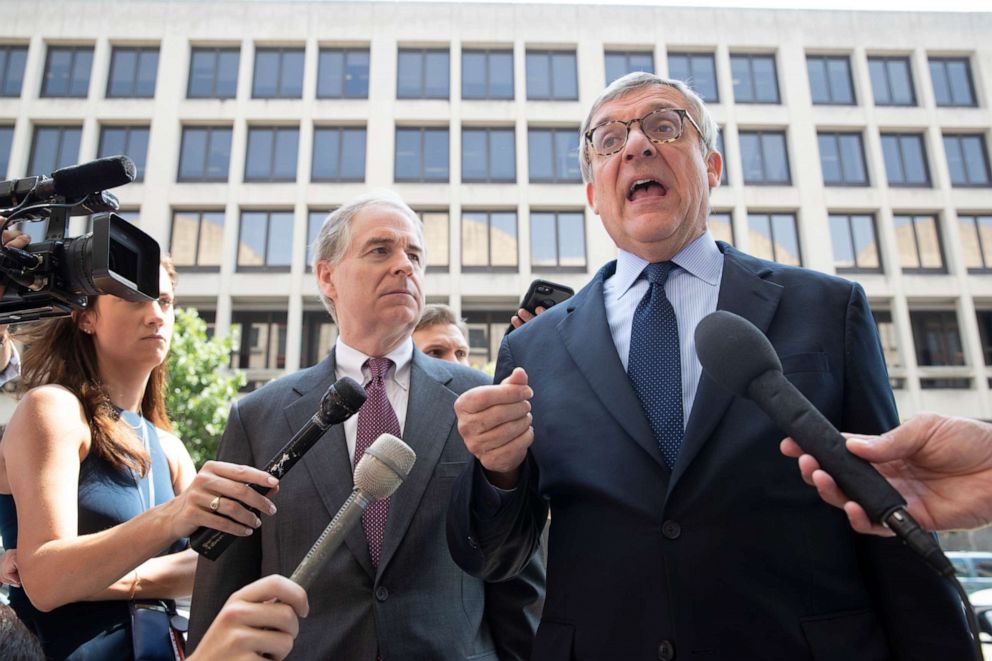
518, 377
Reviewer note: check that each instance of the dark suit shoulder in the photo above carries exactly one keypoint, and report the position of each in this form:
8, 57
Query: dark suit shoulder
783, 273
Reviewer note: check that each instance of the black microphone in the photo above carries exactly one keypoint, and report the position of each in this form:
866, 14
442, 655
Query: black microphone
341, 401
70, 182
741, 359
380, 471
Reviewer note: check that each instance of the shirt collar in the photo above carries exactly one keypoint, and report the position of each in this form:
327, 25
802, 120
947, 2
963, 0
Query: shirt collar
348, 361
701, 258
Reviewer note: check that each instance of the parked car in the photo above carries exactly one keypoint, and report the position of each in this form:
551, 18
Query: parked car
973, 569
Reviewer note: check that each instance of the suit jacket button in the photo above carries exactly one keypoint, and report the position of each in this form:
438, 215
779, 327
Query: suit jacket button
666, 651
381, 593
474, 544
671, 530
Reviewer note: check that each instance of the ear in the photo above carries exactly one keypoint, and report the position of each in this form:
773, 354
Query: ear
84, 320
325, 280
591, 198
714, 168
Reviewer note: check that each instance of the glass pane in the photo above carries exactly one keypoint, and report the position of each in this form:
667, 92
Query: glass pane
502, 156
879, 81
287, 146
12, 60
503, 236
436, 155
409, 81
900, 83
474, 69
266, 74
616, 66
326, 150
330, 74
830, 159
941, 86
840, 239
959, 77
357, 75
408, 154
147, 69
926, 234
786, 241
543, 248
69, 152
501, 75
436, 237
184, 234
678, 68
816, 69
759, 236
57, 72
6, 138
137, 149
218, 157
563, 76
913, 159
704, 77
765, 80
314, 222
751, 159
202, 71
571, 239
353, 155
865, 246
538, 75
227, 74
567, 155
955, 162
112, 142
211, 238
474, 158
985, 235
839, 73
853, 163
193, 153
280, 248
291, 78
720, 227
970, 245
251, 245
80, 77
122, 72
258, 161
893, 160
436, 71
740, 69
906, 240
475, 239
642, 62
539, 154
976, 162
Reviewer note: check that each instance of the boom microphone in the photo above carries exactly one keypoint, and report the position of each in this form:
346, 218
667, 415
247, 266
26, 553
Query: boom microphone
341, 401
741, 359
379, 472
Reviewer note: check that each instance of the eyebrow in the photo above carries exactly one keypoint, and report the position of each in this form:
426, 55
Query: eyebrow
661, 106
389, 241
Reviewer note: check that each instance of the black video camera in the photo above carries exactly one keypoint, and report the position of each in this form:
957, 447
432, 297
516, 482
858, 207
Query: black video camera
55, 276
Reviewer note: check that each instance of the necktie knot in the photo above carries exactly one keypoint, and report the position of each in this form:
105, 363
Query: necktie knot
657, 273
379, 367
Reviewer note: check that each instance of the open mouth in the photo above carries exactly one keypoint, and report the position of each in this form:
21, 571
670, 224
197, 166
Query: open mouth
644, 188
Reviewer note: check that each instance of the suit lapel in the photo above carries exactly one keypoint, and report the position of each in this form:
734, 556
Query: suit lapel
745, 292
429, 419
327, 462
585, 334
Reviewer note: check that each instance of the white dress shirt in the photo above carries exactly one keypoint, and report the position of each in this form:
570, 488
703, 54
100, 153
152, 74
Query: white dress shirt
692, 288
351, 362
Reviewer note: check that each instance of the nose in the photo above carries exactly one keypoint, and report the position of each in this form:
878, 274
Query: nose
638, 144
404, 264
154, 314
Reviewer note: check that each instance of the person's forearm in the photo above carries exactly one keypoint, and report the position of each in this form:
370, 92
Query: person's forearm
165, 577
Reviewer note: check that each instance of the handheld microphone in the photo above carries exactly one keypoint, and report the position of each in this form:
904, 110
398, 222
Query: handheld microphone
70, 182
341, 401
380, 471
741, 359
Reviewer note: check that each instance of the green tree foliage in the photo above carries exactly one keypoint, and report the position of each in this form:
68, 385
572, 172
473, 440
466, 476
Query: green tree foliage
201, 385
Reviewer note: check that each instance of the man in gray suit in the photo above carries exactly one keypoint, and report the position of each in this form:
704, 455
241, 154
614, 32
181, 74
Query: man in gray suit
391, 591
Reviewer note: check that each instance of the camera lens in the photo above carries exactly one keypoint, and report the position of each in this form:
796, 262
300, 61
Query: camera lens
541, 289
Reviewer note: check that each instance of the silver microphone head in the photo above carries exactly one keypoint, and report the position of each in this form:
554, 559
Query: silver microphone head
384, 466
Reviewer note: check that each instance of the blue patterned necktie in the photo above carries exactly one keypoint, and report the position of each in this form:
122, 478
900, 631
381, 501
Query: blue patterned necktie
654, 365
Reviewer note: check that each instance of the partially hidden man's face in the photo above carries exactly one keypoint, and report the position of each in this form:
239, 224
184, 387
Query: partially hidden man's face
443, 341
653, 198
377, 286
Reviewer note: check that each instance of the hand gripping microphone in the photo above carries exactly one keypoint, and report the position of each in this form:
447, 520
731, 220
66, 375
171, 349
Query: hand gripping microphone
741, 359
379, 472
341, 401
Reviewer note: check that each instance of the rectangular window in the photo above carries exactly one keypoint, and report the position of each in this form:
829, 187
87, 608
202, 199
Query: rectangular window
422, 73
830, 81
620, 63
920, 247
936, 337
489, 240
319, 335
774, 236
343, 73
487, 74
315, 221
721, 147
213, 73
6, 139
891, 81
265, 241
558, 240
553, 156
952, 83
12, 59
278, 73
698, 71
436, 237
272, 152
764, 157
132, 72
261, 341
488, 155
721, 226
338, 154
197, 239
855, 243
842, 159
967, 159
205, 154
905, 159
54, 147
67, 71
132, 141
976, 241
421, 154
755, 79
985, 334
551, 76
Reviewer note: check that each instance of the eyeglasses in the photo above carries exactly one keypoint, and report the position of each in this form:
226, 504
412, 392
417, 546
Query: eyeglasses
659, 126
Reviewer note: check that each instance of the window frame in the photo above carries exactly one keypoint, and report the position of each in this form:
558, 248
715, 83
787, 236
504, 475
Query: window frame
771, 232
558, 178
128, 129
346, 52
264, 267
626, 54
282, 51
204, 178
74, 51
691, 56
489, 131
489, 96
423, 52
197, 267
971, 220
959, 138
422, 130
761, 133
922, 270
140, 52
837, 136
340, 156
752, 84
901, 137
558, 267
276, 131
58, 161
944, 61
887, 60
825, 59
548, 55
216, 52
8, 50
488, 267
849, 224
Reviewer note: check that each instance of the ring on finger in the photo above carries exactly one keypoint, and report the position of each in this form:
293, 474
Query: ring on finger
215, 504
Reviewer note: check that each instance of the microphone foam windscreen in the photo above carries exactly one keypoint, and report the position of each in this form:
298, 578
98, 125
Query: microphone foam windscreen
350, 392
98, 175
733, 351
384, 466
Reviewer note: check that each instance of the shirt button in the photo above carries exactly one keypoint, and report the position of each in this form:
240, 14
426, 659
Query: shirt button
666, 651
671, 530
381, 593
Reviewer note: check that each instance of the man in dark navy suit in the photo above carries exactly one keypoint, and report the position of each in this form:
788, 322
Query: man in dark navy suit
678, 530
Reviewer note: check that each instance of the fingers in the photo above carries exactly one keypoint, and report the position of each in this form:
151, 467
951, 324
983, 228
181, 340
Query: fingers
231, 481
220, 498
495, 422
8, 568
277, 587
518, 377
15, 239
859, 520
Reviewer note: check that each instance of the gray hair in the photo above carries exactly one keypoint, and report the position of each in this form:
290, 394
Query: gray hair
638, 80
334, 238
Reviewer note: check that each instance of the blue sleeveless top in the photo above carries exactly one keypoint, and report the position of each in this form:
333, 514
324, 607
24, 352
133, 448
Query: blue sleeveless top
108, 496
